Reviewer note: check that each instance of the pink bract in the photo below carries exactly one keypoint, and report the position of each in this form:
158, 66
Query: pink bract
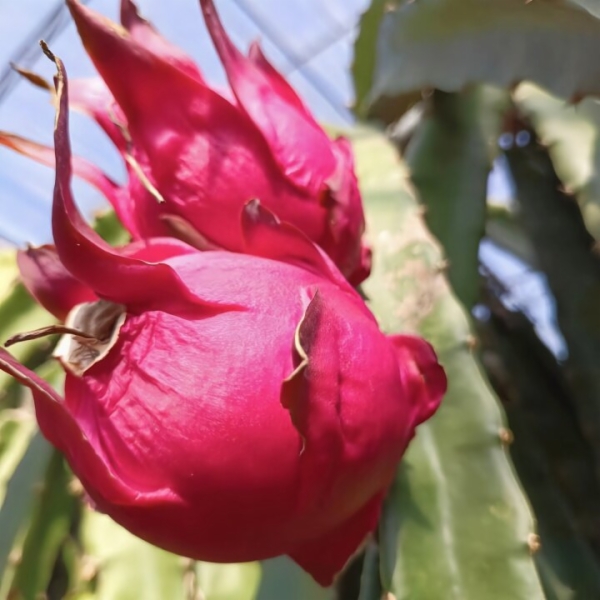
206, 156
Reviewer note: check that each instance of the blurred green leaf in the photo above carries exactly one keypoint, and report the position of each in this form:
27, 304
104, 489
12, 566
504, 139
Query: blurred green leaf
567, 567
127, 567
536, 393
282, 578
363, 68
21, 492
110, 229
226, 582
449, 165
8, 272
24, 458
363, 64
565, 561
571, 134
16, 429
49, 526
464, 522
18, 313
552, 457
447, 44
564, 248
371, 579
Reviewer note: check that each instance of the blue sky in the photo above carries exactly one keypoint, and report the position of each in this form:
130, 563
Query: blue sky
322, 38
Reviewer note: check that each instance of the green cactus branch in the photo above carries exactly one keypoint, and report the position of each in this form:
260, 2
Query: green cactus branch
50, 523
571, 134
449, 44
463, 524
554, 461
566, 254
449, 165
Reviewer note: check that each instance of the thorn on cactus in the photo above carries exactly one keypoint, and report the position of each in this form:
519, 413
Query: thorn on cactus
89, 568
533, 542
14, 558
471, 342
506, 436
75, 487
442, 266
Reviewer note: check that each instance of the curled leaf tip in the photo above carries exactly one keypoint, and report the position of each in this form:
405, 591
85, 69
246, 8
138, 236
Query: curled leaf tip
33, 78
130, 12
533, 543
46, 50
44, 332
